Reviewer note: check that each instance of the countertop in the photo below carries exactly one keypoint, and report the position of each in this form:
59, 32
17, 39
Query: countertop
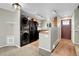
43, 31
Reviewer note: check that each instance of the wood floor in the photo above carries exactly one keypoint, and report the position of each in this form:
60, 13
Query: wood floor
27, 50
64, 48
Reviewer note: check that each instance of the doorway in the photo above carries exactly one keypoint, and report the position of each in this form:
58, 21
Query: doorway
66, 29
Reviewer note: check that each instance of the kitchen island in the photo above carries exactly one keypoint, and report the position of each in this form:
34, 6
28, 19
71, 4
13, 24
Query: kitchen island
48, 39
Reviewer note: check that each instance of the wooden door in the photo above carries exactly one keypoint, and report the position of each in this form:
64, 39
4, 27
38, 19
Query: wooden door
66, 29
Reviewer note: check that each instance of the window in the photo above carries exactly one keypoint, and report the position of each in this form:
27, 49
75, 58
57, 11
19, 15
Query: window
66, 22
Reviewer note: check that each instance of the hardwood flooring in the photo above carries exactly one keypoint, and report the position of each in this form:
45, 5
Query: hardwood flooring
7, 48
27, 50
64, 48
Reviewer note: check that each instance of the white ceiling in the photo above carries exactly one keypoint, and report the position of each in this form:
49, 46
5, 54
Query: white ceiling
7, 6
45, 10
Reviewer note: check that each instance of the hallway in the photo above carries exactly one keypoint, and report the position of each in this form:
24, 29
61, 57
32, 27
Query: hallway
64, 48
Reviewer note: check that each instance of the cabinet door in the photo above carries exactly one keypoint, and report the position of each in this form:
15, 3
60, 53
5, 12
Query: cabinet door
44, 41
77, 37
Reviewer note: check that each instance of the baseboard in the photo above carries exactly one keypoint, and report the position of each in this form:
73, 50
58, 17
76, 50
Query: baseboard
55, 47
3, 46
9, 45
45, 49
44, 52
17, 46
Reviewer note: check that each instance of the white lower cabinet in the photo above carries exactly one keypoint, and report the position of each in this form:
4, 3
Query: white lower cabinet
44, 41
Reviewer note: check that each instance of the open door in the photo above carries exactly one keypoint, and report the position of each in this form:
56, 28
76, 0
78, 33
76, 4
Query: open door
66, 29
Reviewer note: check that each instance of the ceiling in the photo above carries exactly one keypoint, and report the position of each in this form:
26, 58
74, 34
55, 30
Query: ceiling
7, 6
44, 10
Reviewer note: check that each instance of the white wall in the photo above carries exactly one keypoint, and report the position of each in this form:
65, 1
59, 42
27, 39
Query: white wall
54, 37
66, 13
17, 28
76, 26
72, 29
6, 27
10, 28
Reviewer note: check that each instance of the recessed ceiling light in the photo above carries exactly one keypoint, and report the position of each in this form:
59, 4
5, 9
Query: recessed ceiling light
16, 5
